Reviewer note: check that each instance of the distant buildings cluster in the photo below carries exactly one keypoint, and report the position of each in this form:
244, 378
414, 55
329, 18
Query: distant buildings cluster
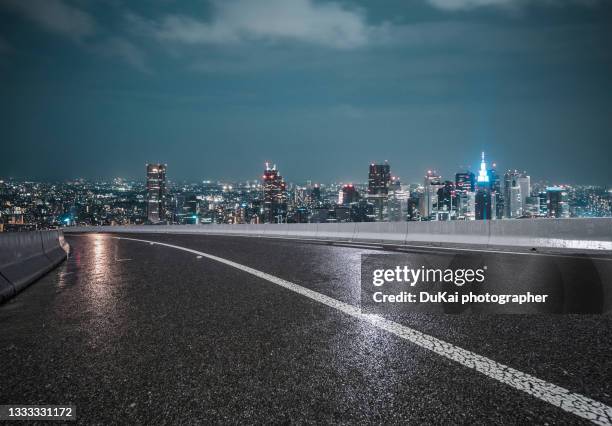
486, 195
489, 196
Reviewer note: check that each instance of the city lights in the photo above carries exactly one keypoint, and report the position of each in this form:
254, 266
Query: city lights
489, 195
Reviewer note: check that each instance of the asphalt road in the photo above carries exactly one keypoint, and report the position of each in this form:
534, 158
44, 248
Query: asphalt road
136, 333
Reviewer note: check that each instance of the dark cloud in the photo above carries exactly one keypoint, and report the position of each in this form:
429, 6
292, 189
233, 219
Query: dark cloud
320, 87
55, 16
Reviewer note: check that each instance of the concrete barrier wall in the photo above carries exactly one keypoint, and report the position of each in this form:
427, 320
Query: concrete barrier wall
573, 234
26, 256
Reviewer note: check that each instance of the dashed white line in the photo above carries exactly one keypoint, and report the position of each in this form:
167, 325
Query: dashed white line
558, 396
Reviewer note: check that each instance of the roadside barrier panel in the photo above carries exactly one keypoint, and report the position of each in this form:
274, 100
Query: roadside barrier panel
451, 232
27, 256
381, 232
52, 246
577, 234
7, 290
23, 258
590, 234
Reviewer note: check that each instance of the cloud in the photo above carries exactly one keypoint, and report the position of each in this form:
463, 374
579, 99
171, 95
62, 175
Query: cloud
124, 49
468, 4
452, 5
326, 24
55, 16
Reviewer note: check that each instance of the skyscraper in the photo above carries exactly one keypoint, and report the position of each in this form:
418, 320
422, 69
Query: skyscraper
513, 203
483, 192
156, 193
431, 184
497, 195
524, 182
465, 182
397, 201
483, 204
446, 201
556, 202
379, 178
274, 196
348, 195
465, 185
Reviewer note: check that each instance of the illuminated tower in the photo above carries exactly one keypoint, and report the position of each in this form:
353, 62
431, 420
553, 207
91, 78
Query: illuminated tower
483, 192
274, 196
483, 174
156, 193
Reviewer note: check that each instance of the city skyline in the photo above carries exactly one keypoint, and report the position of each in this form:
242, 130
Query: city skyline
489, 194
363, 179
95, 92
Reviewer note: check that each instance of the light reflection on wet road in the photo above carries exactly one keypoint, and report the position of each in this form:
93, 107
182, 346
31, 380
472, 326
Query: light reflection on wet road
136, 332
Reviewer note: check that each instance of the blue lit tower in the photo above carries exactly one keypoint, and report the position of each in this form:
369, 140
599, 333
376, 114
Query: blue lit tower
483, 192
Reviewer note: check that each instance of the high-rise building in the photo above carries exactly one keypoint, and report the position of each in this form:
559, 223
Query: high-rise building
379, 178
543, 203
513, 203
429, 204
524, 182
465, 184
348, 195
497, 195
556, 202
274, 196
396, 207
156, 193
483, 192
446, 201
483, 204
483, 178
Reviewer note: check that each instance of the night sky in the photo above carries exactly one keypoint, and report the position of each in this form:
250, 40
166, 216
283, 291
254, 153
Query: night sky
96, 89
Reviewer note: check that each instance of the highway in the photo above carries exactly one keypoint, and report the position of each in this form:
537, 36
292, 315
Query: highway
201, 329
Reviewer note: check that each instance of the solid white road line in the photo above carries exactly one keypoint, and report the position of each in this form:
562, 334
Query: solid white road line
558, 396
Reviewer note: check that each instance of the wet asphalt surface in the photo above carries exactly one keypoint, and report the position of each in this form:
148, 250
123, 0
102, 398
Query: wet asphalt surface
137, 333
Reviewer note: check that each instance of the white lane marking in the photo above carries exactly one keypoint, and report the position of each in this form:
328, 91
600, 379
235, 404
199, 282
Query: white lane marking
198, 257
558, 396
122, 260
